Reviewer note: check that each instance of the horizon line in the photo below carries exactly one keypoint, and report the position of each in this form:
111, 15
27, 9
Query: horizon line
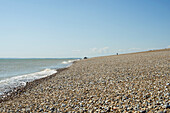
39, 58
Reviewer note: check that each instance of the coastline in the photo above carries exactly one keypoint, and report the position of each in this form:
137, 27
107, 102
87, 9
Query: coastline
14, 93
119, 83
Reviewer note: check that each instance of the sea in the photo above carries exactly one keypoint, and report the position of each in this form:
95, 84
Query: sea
17, 72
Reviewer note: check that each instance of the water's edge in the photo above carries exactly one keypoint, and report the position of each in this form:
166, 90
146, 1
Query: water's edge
21, 89
16, 92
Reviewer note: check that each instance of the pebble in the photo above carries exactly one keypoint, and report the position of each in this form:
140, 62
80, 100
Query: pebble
63, 105
168, 84
41, 110
28, 109
123, 83
167, 106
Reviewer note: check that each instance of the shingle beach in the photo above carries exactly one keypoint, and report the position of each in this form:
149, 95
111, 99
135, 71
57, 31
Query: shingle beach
136, 82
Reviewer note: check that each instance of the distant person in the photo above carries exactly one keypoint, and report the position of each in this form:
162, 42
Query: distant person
117, 53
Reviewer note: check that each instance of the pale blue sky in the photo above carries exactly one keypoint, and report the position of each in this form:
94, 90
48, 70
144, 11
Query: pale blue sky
77, 28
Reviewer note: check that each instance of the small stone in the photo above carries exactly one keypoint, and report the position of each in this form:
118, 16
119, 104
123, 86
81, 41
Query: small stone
81, 105
147, 96
158, 103
165, 111
28, 109
168, 94
149, 107
90, 101
52, 109
129, 108
63, 105
91, 111
41, 110
168, 84
167, 106
160, 111
23, 109
115, 108
108, 109
102, 111
47, 107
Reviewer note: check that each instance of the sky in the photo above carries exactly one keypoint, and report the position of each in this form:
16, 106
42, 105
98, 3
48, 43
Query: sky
78, 28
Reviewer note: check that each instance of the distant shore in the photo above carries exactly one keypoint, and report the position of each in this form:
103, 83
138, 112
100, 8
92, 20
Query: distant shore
118, 83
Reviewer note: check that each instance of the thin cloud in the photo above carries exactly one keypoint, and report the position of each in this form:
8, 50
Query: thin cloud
100, 50
103, 50
134, 49
128, 50
76, 50
121, 50
94, 49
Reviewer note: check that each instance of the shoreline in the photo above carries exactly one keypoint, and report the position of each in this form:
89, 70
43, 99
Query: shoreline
16, 92
135, 82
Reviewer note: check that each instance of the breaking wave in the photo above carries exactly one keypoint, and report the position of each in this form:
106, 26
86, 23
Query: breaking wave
69, 61
8, 84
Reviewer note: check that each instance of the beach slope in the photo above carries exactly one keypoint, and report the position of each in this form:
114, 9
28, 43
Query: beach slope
119, 83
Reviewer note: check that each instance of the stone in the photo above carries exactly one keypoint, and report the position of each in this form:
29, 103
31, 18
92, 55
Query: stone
167, 106
28, 109
63, 105
41, 110
52, 109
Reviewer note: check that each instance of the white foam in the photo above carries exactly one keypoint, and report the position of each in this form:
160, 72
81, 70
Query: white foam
64, 62
13, 82
69, 61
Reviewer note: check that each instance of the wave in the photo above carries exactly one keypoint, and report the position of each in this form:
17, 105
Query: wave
14, 82
69, 61
8, 84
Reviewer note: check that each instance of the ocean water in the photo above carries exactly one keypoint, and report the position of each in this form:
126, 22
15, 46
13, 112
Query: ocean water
16, 72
